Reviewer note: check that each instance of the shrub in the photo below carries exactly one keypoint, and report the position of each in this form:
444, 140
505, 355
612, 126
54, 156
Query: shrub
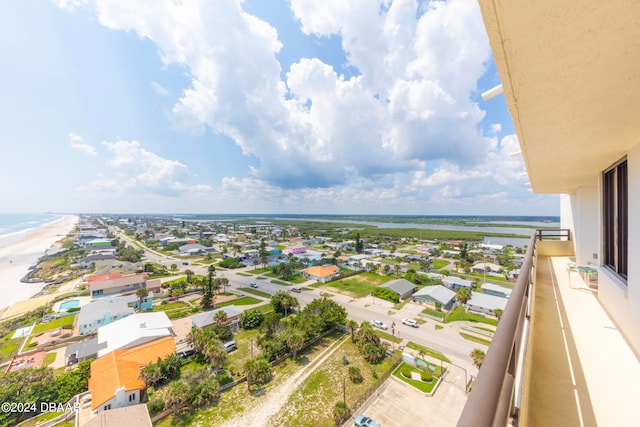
355, 375
341, 412
224, 378
155, 405
426, 376
386, 294
345, 361
406, 372
374, 374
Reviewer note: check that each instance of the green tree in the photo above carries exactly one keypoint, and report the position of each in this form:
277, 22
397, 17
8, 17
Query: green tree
174, 267
220, 318
283, 301
352, 325
142, 293
295, 341
151, 374
477, 356
215, 352
258, 371
176, 395
251, 319
463, 295
189, 275
498, 313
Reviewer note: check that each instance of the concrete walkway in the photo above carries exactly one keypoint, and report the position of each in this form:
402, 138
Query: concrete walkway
583, 372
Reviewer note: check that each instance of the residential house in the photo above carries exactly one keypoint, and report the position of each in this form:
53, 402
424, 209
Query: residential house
294, 250
455, 283
486, 267
321, 273
485, 303
102, 312
193, 249
134, 330
99, 244
134, 415
115, 377
496, 290
207, 318
402, 287
83, 350
434, 295
116, 283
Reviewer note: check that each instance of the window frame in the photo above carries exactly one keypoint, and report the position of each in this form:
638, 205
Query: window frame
615, 219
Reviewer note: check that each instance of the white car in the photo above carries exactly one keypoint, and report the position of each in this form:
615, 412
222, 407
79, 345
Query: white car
410, 322
379, 324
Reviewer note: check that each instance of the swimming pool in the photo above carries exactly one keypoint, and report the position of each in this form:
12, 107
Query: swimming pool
65, 305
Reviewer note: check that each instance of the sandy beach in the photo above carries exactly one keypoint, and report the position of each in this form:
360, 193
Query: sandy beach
19, 255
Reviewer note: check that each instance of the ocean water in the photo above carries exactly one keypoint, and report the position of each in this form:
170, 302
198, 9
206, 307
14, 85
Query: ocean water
14, 227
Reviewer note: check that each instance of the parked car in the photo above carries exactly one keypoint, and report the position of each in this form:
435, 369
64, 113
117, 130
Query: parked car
298, 290
254, 285
362, 421
230, 346
410, 322
379, 324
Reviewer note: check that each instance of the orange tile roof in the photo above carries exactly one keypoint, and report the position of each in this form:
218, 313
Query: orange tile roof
101, 277
321, 270
121, 368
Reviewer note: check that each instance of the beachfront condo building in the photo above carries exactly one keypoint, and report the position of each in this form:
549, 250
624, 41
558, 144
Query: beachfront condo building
566, 350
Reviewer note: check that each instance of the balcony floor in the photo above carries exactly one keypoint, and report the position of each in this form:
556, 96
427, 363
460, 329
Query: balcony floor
583, 373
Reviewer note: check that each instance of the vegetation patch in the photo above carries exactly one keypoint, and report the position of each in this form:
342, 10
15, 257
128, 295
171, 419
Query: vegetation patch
240, 301
54, 324
255, 292
425, 384
454, 316
428, 352
475, 339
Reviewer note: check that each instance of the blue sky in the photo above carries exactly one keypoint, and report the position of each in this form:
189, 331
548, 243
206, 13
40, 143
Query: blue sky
297, 106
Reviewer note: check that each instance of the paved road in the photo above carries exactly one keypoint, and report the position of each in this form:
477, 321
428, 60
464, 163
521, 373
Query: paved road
446, 340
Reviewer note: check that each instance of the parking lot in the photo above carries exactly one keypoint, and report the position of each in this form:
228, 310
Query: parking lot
397, 404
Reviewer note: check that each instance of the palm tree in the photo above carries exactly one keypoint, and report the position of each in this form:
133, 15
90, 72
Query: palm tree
397, 269
176, 394
353, 325
142, 293
216, 353
462, 296
151, 374
220, 318
295, 341
478, 357
189, 274
498, 313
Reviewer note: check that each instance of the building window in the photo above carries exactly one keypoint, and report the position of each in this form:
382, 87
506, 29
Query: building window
615, 218
132, 397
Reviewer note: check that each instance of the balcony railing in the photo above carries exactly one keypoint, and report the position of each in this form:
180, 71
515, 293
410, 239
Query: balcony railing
495, 398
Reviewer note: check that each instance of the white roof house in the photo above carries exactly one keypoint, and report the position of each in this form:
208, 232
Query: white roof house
134, 330
205, 319
437, 293
497, 290
485, 303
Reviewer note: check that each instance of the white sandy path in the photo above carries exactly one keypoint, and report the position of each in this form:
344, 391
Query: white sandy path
16, 258
259, 415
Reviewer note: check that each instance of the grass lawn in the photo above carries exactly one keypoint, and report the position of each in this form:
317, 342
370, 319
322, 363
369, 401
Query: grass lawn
425, 387
54, 324
475, 339
454, 316
433, 313
49, 358
358, 286
174, 310
240, 301
437, 264
8, 347
387, 336
259, 271
428, 352
264, 308
255, 292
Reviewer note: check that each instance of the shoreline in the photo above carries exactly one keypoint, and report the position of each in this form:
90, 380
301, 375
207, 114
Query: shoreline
22, 252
